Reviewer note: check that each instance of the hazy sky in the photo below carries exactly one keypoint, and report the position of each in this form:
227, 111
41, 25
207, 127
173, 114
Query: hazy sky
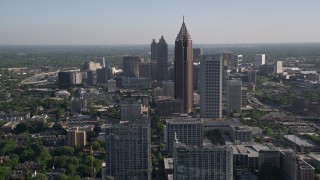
140, 21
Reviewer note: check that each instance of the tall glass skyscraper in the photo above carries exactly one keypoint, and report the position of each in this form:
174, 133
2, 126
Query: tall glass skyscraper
183, 68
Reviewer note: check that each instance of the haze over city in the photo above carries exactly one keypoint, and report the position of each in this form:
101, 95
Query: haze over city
137, 22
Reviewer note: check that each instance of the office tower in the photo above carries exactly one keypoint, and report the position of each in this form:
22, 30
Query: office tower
236, 60
130, 111
64, 79
77, 77
167, 106
162, 59
252, 76
233, 96
244, 97
67, 79
278, 67
211, 86
102, 75
90, 77
154, 70
259, 59
196, 76
145, 70
76, 138
187, 130
204, 162
227, 60
103, 62
168, 88
183, 69
112, 85
154, 50
131, 66
90, 66
77, 105
197, 52
128, 147
159, 53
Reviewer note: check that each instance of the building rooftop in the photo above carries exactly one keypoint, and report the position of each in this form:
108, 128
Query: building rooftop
168, 163
299, 141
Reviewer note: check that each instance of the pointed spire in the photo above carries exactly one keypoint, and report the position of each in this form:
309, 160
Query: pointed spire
183, 34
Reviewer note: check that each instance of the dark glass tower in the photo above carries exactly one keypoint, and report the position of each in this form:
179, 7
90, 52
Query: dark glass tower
183, 68
159, 53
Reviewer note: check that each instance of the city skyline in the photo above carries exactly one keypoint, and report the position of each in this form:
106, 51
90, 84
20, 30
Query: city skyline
114, 23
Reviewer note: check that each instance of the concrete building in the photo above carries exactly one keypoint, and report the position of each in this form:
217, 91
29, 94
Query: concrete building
237, 59
241, 133
112, 85
128, 147
145, 69
269, 157
227, 58
244, 97
130, 111
204, 162
233, 96
77, 105
211, 86
259, 59
247, 156
168, 89
187, 130
76, 138
131, 66
103, 75
197, 52
278, 67
167, 106
183, 69
294, 168
300, 144
90, 66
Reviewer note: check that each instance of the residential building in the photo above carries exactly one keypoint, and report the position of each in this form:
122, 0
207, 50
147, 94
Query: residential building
128, 149
187, 130
204, 162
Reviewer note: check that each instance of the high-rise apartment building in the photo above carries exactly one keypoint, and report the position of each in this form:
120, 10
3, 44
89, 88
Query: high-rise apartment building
130, 111
204, 162
128, 149
131, 66
183, 68
259, 59
187, 130
76, 138
211, 86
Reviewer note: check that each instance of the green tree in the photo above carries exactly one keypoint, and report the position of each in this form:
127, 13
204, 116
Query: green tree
21, 128
43, 158
5, 172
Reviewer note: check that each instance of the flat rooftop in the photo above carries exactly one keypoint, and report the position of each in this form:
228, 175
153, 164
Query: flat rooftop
299, 141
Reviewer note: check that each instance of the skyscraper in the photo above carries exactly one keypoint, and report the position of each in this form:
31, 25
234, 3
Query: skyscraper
131, 66
259, 59
159, 52
234, 95
183, 68
211, 86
